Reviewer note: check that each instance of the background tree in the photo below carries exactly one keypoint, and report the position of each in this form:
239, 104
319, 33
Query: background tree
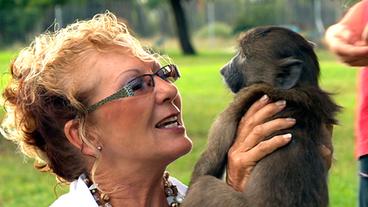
182, 28
19, 19
181, 24
22, 19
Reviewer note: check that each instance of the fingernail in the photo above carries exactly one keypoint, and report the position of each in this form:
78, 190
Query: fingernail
287, 136
281, 103
264, 98
291, 120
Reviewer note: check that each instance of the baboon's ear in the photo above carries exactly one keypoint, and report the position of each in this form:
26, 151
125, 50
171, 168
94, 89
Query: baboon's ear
289, 73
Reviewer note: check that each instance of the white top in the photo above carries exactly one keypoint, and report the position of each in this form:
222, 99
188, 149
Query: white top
80, 196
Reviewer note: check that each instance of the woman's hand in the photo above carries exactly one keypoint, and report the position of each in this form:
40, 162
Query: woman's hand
248, 147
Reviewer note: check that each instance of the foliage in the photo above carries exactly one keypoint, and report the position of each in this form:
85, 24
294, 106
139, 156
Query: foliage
155, 3
255, 14
18, 18
218, 29
349, 3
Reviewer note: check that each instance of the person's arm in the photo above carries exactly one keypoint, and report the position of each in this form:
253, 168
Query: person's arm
348, 37
354, 18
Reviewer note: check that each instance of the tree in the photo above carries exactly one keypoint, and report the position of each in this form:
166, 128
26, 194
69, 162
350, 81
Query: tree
20, 18
318, 17
16, 19
180, 23
182, 28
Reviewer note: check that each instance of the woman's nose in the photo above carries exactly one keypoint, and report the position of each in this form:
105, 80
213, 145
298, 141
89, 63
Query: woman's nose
165, 91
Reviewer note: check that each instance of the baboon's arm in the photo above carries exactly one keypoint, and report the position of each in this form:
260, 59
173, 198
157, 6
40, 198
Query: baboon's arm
210, 191
222, 135
213, 160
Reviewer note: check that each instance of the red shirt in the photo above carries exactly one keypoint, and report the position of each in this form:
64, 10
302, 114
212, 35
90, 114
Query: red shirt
361, 147
361, 130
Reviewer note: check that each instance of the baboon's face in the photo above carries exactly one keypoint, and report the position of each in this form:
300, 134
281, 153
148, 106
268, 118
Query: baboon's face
272, 55
233, 75
242, 71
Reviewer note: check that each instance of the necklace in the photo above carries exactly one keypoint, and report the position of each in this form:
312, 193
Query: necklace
171, 191
103, 200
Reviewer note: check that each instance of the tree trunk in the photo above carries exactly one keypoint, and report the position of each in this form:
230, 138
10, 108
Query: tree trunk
141, 19
182, 28
318, 17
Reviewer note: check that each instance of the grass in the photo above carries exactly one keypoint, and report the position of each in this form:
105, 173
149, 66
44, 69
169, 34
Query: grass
204, 96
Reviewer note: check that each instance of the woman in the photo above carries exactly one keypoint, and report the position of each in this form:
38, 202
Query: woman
97, 110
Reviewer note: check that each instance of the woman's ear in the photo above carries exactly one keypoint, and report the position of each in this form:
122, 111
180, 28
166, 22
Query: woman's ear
71, 133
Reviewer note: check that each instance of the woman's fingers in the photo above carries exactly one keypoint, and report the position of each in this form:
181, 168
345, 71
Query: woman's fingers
261, 131
255, 107
252, 110
249, 148
240, 164
266, 112
257, 117
266, 147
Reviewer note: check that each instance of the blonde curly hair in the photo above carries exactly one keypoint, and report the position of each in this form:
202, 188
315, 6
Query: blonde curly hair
41, 96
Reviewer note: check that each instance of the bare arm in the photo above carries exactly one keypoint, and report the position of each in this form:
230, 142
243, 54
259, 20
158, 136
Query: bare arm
348, 37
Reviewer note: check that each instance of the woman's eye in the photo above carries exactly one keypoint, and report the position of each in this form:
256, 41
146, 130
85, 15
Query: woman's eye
136, 84
164, 75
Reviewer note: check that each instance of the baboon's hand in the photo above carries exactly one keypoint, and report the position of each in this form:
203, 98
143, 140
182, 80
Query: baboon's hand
327, 155
248, 147
327, 148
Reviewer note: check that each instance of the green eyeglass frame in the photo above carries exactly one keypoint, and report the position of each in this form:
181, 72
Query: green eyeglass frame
142, 84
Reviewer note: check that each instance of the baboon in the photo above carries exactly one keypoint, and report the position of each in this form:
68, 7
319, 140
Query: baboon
282, 64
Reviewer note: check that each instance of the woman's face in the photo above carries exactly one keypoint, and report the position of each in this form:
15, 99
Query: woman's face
131, 130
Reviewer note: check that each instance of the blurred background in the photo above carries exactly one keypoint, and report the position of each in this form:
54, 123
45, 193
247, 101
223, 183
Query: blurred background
162, 20
200, 36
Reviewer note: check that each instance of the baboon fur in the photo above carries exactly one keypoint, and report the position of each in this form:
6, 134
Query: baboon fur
282, 64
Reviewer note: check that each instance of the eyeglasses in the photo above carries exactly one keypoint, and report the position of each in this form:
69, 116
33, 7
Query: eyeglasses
140, 85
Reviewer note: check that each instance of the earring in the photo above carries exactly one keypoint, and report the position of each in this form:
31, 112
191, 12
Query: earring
99, 148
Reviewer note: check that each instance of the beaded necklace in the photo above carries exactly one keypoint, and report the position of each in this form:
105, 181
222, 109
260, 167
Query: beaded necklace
103, 200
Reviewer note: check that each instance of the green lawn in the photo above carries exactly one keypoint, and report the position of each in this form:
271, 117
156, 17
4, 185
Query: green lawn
204, 95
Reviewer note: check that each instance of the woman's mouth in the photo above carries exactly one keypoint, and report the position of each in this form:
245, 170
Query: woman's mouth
169, 122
